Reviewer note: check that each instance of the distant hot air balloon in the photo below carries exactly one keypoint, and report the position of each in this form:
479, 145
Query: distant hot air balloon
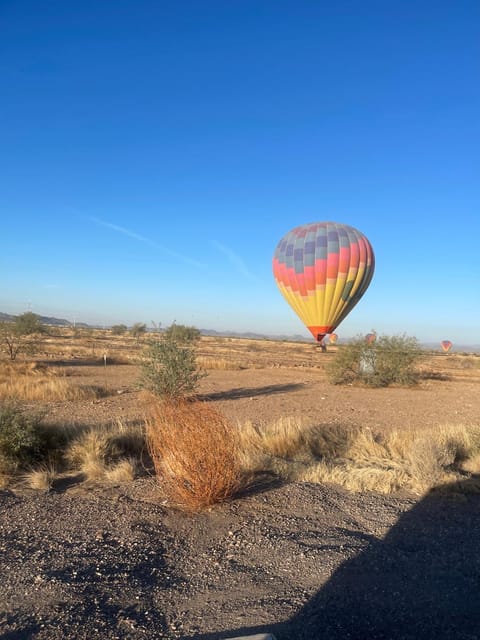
370, 337
446, 345
322, 269
332, 338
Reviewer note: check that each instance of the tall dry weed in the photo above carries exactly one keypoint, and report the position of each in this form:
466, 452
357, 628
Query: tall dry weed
195, 451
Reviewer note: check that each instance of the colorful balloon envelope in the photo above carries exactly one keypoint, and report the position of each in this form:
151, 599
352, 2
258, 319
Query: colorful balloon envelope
332, 338
322, 270
446, 345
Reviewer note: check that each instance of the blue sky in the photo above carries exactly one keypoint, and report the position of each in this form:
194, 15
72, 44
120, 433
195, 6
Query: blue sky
153, 154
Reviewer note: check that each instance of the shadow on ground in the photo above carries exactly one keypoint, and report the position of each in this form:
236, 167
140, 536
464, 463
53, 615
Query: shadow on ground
251, 392
421, 582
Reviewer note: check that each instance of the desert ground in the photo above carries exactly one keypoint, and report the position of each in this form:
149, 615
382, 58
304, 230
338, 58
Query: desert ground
298, 559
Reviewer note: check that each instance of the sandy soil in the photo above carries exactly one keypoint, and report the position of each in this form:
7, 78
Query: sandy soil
302, 561
263, 395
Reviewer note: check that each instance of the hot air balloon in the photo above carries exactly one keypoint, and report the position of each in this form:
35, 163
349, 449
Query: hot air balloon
322, 270
332, 338
446, 345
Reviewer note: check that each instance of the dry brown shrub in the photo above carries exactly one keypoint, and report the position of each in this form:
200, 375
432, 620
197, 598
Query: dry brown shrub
195, 451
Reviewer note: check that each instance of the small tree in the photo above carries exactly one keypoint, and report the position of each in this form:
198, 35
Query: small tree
28, 324
169, 369
138, 331
22, 335
182, 333
119, 329
389, 360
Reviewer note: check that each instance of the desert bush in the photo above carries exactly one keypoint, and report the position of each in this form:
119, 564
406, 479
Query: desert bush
119, 329
195, 451
181, 333
29, 323
169, 369
389, 360
22, 335
24, 441
138, 330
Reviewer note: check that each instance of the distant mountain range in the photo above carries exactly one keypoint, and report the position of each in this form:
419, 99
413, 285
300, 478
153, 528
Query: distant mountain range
61, 322
54, 322
253, 336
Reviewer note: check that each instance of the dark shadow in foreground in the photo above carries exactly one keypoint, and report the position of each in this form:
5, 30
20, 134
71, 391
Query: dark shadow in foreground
421, 582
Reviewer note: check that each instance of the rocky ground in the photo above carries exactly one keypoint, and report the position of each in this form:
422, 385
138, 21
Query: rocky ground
299, 560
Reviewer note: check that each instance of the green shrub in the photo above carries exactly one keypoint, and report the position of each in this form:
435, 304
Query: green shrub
119, 329
181, 333
389, 360
23, 440
29, 323
169, 369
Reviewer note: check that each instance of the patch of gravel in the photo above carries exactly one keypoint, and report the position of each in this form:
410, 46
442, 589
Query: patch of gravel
301, 561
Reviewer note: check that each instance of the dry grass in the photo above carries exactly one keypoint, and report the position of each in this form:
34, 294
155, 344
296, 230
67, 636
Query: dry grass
195, 452
285, 438
123, 472
6, 471
107, 453
222, 364
40, 479
361, 460
30, 382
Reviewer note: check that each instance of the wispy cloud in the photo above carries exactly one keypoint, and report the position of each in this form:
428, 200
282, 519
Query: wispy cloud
235, 260
151, 243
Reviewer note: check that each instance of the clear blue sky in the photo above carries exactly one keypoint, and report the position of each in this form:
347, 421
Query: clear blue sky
153, 153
